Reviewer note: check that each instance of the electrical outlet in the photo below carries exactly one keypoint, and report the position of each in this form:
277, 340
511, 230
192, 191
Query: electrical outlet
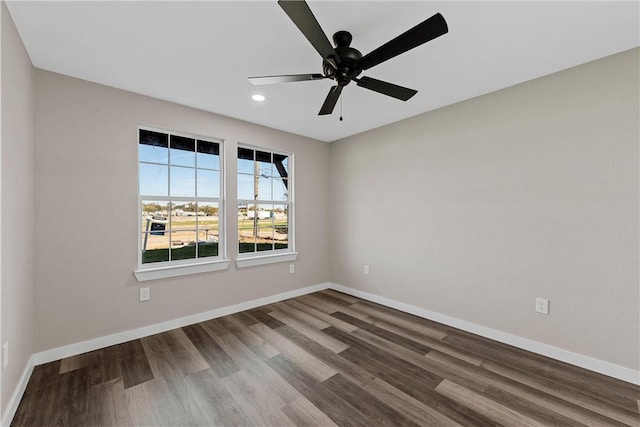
145, 294
5, 355
366, 269
542, 305
292, 268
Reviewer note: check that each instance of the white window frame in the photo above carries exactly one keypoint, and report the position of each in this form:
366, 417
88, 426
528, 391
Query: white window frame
249, 259
164, 269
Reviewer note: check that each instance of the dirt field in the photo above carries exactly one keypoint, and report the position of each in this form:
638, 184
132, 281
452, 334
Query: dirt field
183, 232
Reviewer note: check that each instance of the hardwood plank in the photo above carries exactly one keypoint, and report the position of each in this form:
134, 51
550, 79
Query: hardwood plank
304, 413
215, 401
133, 364
373, 409
412, 408
414, 333
160, 402
290, 308
74, 362
172, 355
243, 318
340, 412
262, 315
440, 369
348, 369
383, 333
383, 364
323, 317
521, 405
319, 337
70, 402
327, 296
45, 375
253, 364
409, 325
104, 365
249, 338
598, 386
409, 379
300, 357
108, 405
558, 390
340, 295
256, 400
211, 352
320, 304
542, 400
482, 405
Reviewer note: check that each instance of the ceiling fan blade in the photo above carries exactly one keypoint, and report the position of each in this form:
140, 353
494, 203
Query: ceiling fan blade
399, 92
330, 101
299, 12
427, 30
268, 80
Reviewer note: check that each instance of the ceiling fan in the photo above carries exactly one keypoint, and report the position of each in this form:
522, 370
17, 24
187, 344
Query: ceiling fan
343, 63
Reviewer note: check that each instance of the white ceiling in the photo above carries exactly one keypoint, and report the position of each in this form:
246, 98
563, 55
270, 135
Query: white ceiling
200, 53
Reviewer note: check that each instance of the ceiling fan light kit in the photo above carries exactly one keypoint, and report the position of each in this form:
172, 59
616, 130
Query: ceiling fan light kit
344, 63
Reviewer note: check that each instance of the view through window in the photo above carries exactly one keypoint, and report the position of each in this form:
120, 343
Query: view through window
264, 201
179, 194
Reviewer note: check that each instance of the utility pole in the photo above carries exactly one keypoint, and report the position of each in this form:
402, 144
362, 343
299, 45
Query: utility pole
256, 186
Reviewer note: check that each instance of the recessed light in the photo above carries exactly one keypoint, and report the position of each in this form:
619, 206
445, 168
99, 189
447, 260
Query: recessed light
258, 98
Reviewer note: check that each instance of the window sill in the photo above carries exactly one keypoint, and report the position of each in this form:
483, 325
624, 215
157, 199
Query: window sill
266, 259
180, 270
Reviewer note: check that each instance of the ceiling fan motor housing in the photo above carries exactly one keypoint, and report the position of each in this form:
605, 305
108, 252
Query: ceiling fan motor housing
348, 57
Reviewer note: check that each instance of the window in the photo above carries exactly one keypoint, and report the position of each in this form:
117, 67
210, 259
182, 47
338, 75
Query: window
180, 187
264, 203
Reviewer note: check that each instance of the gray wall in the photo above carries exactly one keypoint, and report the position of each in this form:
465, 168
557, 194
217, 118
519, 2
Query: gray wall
475, 209
86, 217
17, 144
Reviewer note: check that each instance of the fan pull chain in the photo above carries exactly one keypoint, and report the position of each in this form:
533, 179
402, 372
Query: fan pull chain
341, 107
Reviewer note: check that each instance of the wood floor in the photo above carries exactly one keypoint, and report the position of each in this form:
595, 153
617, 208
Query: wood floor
321, 359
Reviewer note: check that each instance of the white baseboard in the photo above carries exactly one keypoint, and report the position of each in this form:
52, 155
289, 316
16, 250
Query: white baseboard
120, 337
12, 407
582, 361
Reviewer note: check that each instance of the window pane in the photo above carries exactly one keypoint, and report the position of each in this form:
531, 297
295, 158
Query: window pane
264, 188
281, 226
153, 146
281, 165
247, 223
207, 243
153, 180
183, 151
245, 160
208, 215
183, 244
150, 153
264, 163
208, 183
245, 153
158, 139
155, 232
208, 155
183, 224
208, 229
280, 191
183, 182
265, 239
264, 236
245, 187
245, 166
